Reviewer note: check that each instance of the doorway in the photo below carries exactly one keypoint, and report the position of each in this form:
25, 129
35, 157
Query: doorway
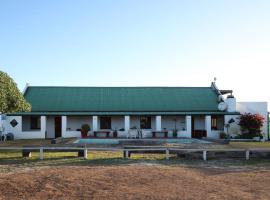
198, 127
58, 127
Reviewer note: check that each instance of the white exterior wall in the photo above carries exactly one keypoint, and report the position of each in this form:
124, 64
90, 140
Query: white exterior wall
127, 123
208, 126
234, 129
95, 123
118, 122
231, 102
75, 122
199, 123
43, 126
187, 133
69, 129
50, 128
158, 123
134, 121
169, 123
17, 130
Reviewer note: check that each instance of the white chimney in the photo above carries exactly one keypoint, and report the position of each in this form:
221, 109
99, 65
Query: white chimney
231, 102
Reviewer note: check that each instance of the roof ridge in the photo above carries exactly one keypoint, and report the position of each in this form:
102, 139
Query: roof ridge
119, 86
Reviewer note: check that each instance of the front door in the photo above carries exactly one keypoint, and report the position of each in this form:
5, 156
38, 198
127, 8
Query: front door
58, 127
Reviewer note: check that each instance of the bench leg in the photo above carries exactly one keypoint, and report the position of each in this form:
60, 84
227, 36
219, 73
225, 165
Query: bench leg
126, 154
247, 155
85, 153
204, 155
81, 153
26, 154
167, 154
41, 154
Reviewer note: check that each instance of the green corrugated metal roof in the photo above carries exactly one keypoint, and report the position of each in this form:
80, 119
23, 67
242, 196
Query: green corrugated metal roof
120, 113
122, 99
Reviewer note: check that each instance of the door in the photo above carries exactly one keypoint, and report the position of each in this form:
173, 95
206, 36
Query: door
58, 127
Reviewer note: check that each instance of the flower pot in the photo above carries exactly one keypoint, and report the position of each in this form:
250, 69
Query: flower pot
83, 134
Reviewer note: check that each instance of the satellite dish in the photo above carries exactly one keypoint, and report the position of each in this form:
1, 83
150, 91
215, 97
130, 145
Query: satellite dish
222, 106
220, 98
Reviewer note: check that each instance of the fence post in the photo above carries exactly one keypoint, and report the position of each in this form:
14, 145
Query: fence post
247, 154
41, 155
85, 153
204, 155
126, 154
167, 154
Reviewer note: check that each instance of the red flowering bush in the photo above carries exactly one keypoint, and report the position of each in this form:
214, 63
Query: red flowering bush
251, 125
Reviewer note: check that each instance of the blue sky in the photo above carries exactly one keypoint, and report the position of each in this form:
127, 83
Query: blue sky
138, 43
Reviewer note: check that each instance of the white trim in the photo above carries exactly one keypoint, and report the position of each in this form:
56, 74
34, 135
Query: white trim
127, 123
25, 88
95, 123
188, 124
158, 123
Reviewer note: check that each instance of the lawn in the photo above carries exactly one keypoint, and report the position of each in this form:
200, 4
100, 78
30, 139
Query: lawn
14, 158
106, 175
247, 145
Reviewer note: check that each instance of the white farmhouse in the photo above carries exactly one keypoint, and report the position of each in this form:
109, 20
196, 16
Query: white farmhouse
191, 112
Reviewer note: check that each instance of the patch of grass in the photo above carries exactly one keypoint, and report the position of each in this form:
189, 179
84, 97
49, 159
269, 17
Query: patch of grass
250, 144
12, 160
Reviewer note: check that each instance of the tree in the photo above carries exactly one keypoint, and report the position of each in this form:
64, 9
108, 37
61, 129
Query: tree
11, 99
251, 125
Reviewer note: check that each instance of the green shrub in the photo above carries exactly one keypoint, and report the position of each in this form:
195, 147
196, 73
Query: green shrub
85, 128
250, 126
223, 135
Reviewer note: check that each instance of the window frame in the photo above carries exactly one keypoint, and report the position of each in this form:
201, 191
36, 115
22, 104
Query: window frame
35, 123
214, 123
147, 124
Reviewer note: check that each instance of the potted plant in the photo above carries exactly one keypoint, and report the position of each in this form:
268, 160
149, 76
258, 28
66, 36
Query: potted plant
223, 135
115, 133
84, 130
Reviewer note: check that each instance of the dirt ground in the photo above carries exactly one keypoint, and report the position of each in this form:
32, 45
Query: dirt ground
135, 181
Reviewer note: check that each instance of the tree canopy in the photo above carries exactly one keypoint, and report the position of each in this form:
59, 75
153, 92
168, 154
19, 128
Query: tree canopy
11, 99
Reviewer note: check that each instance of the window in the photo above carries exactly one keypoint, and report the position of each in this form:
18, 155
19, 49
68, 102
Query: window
214, 123
34, 123
105, 123
145, 122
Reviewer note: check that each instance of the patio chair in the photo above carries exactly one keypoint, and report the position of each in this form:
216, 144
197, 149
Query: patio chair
132, 133
143, 134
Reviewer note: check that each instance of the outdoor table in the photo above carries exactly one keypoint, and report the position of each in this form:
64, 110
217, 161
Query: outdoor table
97, 132
155, 132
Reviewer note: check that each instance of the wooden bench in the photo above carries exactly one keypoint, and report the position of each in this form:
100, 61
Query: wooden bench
57, 140
27, 150
155, 132
98, 132
142, 149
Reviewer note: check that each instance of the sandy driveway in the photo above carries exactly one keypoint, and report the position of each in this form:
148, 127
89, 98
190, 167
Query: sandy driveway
133, 182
